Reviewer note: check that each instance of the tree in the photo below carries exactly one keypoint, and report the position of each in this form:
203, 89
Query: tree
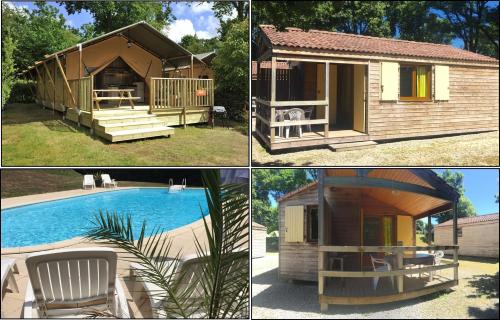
474, 22
421, 226
465, 208
196, 45
8, 48
231, 70
224, 9
273, 183
112, 15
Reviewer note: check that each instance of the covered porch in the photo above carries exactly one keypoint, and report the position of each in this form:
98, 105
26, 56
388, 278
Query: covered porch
307, 101
367, 252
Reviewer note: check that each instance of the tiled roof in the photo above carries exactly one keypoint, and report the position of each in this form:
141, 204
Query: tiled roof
336, 41
481, 218
297, 191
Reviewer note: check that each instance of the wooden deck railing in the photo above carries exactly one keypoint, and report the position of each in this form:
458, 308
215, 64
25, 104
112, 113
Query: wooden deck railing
265, 116
399, 272
82, 90
167, 93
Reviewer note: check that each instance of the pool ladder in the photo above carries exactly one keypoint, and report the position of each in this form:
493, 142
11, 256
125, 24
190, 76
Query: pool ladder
176, 187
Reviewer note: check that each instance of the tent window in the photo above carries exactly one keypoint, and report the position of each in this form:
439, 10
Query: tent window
415, 82
312, 224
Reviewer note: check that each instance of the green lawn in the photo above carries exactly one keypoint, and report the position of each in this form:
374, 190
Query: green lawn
17, 183
32, 136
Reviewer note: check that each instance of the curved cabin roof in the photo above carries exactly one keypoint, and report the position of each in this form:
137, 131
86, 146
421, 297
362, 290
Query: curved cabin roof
144, 35
344, 42
416, 192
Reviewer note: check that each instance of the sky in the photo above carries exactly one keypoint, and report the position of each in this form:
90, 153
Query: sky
481, 186
191, 18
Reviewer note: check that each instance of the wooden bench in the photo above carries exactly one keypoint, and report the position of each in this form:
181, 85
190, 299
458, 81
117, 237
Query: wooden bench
123, 94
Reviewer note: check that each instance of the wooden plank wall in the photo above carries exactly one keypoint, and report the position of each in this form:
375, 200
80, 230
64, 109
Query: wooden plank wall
473, 107
478, 239
297, 260
258, 242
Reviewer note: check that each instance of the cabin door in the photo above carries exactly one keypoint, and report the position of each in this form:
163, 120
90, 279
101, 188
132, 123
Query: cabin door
359, 98
378, 231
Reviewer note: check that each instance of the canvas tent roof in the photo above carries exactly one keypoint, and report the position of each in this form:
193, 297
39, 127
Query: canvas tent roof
144, 35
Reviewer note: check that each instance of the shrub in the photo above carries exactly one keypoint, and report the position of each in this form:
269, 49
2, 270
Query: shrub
22, 91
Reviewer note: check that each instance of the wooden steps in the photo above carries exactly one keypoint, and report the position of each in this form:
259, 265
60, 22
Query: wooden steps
123, 125
347, 146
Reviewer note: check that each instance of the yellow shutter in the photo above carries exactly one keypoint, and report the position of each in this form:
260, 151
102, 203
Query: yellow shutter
441, 83
389, 82
405, 230
294, 224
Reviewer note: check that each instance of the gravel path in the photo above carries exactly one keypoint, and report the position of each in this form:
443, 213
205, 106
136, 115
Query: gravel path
475, 297
464, 150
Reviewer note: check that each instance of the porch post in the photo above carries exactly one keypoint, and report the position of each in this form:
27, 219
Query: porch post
327, 98
321, 237
272, 131
455, 240
429, 229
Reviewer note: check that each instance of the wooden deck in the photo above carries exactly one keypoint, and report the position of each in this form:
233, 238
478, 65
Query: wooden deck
363, 287
316, 139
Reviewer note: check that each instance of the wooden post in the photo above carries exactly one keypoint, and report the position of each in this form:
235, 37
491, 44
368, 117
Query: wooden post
399, 266
327, 98
321, 236
429, 230
50, 77
79, 60
65, 80
272, 131
54, 106
151, 95
455, 240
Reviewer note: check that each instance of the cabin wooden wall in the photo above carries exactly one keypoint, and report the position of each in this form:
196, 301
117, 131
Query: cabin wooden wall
472, 107
478, 239
297, 260
258, 241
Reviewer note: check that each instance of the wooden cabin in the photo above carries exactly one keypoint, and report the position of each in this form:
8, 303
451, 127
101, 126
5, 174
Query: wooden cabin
477, 236
354, 90
202, 67
117, 84
330, 229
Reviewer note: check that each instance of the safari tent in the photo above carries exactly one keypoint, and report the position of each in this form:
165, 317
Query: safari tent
201, 67
353, 231
116, 84
344, 91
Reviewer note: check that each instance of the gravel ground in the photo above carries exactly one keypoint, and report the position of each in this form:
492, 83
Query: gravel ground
464, 150
475, 297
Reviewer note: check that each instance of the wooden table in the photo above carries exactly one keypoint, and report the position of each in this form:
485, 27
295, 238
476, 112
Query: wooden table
123, 94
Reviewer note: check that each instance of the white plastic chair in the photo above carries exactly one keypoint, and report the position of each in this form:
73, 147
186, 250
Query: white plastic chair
107, 181
72, 282
294, 114
9, 267
438, 255
88, 180
383, 266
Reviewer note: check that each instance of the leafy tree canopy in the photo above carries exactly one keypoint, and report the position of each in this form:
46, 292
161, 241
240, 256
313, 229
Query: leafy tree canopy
475, 22
111, 15
273, 183
196, 45
465, 208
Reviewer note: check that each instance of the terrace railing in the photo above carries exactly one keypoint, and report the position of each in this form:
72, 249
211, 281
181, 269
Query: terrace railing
168, 93
398, 273
82, 91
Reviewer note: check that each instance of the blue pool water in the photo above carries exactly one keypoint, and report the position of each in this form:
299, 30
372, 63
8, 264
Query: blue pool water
58, 220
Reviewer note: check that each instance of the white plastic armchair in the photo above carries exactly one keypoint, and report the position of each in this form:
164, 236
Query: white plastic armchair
380, 265
107, 181
88, 181
438, 255
295, 114
73, 282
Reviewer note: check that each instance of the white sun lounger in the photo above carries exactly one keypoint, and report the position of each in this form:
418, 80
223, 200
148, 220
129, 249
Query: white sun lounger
88, 181
72, 282
107, 181
9, 267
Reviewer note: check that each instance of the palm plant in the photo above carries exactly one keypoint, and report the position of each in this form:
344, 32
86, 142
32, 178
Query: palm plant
221, 290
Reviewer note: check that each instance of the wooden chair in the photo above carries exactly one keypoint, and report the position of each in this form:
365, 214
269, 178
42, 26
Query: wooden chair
382, 266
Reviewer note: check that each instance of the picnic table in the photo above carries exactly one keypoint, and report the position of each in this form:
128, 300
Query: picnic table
123, 94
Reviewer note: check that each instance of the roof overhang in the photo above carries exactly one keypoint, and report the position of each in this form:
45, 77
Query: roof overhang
142, 34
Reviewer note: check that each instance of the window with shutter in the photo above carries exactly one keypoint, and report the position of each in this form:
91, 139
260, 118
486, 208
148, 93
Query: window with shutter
415, 82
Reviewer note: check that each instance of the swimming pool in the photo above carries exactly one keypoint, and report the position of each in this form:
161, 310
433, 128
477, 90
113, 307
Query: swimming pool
57, 220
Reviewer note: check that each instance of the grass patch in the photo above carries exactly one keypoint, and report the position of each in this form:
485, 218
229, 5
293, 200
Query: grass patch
32, 136
465, 150
17, 183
